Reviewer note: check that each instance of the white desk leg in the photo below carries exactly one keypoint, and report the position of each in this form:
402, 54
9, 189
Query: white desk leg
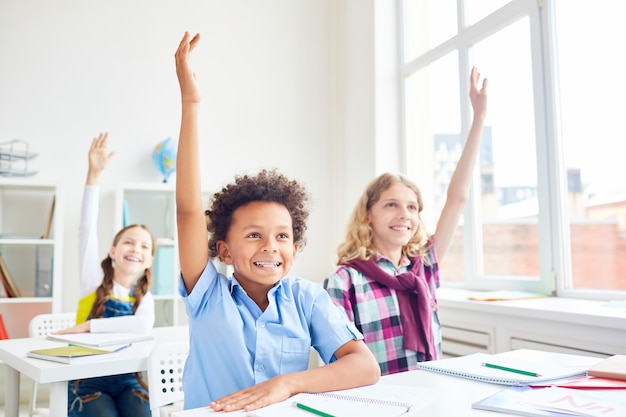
12, 392
58, 398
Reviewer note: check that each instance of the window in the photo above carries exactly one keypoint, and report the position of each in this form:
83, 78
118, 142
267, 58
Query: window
548, 205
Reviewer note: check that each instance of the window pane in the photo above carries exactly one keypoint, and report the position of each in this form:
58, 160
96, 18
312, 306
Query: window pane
433, 142
508, 156
427, 23
477, 10
592, 88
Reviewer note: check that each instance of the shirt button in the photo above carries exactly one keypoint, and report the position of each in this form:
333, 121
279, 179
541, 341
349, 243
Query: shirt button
261, 368
262, 324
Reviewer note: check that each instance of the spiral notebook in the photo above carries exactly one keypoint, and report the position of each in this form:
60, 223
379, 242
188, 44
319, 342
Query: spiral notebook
377, 400
473, 367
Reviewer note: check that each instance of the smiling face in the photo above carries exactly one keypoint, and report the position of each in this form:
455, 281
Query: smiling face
259, 245
132, 253
394, 219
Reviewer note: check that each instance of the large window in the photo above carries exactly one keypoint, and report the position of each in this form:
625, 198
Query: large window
548, 204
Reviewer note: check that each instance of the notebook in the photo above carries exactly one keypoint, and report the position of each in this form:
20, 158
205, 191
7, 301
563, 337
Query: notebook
472, 367
584, 382
611, 367
554, 402
377, 400
71, 354
100, 339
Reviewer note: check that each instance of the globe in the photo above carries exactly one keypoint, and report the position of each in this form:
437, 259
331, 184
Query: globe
164, 157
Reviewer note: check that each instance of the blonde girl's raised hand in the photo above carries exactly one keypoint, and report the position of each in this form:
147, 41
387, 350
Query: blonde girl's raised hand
478, 97
190, 93
99, 157
458, 189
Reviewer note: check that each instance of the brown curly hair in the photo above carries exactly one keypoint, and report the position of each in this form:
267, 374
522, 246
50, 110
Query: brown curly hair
267, 185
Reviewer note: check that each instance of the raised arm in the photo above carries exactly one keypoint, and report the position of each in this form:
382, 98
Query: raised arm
90, 271
192, 233
458, 190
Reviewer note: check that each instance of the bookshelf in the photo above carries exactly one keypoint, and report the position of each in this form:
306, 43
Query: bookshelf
30, 251
154, 205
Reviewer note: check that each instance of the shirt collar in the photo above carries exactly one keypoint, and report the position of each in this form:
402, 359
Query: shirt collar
404, 260
279, 288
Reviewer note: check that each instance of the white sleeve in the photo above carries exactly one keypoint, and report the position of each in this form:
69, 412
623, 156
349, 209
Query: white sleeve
140, 322
89, 269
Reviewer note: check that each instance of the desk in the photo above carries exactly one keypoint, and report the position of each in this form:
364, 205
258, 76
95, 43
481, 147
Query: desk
452, 396
13, 354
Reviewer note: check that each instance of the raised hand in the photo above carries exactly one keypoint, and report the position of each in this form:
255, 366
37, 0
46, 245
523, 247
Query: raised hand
189, 90
99, 157
478, 97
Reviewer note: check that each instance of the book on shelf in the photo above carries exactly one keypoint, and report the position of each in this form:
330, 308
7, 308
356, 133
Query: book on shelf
7, 280
71, 354
44, 263
612, 367
4, 292
100, 339
504, 369
48, 226
163, 270
378, 400
554, 402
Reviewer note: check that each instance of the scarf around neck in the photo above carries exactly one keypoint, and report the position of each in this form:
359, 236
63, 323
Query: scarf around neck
413, 300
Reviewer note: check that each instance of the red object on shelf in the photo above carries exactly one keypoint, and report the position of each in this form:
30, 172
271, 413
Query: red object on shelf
3, 330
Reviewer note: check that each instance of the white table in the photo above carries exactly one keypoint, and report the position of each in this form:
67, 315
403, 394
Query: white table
451, 396
13, 354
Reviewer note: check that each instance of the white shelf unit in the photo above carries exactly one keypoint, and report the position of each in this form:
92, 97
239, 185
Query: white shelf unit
34, 263
153, 205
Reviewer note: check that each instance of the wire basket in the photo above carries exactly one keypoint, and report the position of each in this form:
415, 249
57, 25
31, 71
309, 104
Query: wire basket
14, 158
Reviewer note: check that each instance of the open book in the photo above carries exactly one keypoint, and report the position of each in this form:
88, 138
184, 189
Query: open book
378, 400
554, 402
100, 339
512, 371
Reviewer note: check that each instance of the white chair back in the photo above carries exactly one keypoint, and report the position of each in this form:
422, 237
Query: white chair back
41, 326
165, 377
45, 324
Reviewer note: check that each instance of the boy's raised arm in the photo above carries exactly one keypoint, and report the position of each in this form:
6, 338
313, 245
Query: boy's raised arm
192, 233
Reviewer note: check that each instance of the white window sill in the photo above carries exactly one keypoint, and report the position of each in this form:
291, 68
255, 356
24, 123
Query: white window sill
564, 310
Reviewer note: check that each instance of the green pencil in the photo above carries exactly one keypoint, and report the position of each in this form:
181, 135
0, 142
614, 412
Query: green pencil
313, 410
504, 368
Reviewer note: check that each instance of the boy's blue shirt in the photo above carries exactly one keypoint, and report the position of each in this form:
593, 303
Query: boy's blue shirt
234, 345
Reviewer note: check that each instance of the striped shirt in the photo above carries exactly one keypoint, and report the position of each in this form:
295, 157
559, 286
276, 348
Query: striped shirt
375, 311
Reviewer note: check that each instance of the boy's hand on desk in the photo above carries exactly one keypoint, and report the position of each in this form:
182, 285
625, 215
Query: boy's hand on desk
257, 396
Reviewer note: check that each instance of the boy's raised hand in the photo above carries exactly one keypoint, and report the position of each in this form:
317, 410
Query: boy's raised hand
189, 90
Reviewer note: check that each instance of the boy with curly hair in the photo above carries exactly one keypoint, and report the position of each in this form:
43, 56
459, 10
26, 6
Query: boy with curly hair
251, 334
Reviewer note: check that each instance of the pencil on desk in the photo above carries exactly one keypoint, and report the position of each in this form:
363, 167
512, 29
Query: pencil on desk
505, 368
313, 410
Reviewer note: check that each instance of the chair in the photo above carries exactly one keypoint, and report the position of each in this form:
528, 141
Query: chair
41, 326
165, 377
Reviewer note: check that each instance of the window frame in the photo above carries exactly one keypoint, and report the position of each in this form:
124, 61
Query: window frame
553, 220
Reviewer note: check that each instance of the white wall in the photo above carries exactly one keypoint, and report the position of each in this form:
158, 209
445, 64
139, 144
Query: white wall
73, 68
